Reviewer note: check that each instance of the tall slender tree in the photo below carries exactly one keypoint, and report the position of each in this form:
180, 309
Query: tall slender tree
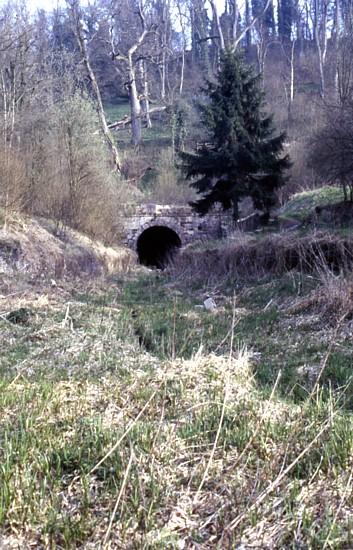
285, 19
243, 156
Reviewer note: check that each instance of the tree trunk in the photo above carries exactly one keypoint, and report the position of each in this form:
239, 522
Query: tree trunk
135, 106
320, 34
163, 74
291, 86
77, 28
247, 22
145, 102
182, 70
337, 34
217, 25
238, 37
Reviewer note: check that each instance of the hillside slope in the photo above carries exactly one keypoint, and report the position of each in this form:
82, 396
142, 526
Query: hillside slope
39, 248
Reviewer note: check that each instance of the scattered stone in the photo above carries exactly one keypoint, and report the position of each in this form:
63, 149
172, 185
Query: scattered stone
310, 372
19, 316
210, 304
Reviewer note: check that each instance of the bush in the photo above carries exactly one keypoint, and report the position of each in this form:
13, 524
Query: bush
69, 169
332, 147
14, 186
169, 186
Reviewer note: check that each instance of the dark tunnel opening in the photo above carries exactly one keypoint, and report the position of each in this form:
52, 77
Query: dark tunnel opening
157, 245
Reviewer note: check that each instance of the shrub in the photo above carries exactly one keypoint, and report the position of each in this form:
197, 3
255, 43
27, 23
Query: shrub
332, 147
14, 186
169, 186
69, 167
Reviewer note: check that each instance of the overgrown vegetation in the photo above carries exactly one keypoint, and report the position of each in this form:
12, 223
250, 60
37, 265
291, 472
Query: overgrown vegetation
133, 417
303, 204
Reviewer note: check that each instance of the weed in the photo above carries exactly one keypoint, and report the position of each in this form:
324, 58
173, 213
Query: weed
104, 441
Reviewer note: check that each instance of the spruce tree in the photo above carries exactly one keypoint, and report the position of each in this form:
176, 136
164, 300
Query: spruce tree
243, 157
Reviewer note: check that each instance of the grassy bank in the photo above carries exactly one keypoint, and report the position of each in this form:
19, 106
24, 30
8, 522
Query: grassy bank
301, 205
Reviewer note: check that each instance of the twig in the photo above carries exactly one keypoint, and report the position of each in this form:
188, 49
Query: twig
268, 304
66, 315
4, 296
4, 318
346, 489
121, 492
18, 375
236, 521
129, 428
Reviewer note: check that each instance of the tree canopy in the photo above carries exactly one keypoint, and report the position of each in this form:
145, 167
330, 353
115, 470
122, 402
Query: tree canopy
242, 156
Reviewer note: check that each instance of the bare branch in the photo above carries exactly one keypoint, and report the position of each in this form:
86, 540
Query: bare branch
250, 26
75, 13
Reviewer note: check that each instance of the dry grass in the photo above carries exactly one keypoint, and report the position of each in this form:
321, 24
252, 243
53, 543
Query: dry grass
332, 299
131, 419
254, 257
106, 445
41, 248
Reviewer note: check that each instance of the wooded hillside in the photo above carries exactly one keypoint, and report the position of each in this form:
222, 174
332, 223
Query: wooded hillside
86, 89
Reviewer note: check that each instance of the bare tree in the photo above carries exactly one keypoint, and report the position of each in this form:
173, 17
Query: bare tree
131, 59
145, 96
236, 35
76, 20
332, 149
17, 81
217, 24
319, 17
180, 5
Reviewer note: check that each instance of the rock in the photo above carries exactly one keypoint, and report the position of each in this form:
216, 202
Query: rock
19, 316
210, 304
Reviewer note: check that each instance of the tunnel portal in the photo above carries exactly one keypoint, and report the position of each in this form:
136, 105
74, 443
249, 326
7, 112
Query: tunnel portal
157, 245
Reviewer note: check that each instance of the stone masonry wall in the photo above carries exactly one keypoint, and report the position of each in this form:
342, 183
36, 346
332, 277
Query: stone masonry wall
181, 219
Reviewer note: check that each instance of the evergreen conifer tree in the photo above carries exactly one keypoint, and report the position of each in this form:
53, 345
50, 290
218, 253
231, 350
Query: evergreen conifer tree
243, 157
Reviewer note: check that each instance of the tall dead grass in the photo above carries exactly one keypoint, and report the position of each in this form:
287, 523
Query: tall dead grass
247, 257
332, 299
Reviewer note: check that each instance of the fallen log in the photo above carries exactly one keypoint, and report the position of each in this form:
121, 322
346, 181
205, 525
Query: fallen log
121, 124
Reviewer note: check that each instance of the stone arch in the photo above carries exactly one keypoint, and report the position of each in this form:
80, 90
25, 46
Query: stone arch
160, 221
157, 242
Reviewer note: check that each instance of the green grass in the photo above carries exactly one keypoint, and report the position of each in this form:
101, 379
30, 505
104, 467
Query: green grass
118, 110
127, 396
302, 204
159, 134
